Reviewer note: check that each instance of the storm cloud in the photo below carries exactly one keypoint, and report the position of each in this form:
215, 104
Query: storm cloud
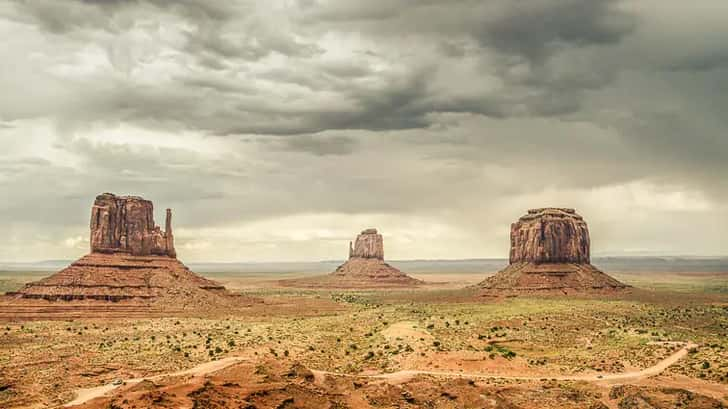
278, 129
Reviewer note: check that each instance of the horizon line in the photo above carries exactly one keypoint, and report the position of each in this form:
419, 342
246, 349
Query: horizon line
602, 256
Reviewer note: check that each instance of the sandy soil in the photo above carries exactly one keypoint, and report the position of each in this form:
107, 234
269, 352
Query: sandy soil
438, 346
630, 376
87, 394
399, 377
406, 330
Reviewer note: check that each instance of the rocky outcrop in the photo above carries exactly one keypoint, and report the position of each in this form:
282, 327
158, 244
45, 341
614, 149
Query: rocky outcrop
550, 251
368, 244
126, 224
656, 397
364, 269
550, 235
131, 259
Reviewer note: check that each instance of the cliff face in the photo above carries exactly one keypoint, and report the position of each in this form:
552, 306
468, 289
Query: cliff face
550, 235
369, 244
126, 224
550, 252
366, 265
131, 259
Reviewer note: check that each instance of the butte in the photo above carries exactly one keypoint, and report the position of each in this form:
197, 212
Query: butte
550, 252
365, 268
132, 266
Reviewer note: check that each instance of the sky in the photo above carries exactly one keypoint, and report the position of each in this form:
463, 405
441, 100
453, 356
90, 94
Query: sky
277, 130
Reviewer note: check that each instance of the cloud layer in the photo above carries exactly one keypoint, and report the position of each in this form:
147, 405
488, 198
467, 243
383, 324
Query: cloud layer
277, 130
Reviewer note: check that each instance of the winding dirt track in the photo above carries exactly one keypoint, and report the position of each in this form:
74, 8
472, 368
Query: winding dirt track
85, 395
404, 376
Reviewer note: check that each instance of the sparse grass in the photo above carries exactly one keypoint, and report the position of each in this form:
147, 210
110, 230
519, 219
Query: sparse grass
545, 334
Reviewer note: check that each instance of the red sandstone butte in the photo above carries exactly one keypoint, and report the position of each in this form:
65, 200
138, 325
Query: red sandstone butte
125, 224
131, 259
550, 251
364, 269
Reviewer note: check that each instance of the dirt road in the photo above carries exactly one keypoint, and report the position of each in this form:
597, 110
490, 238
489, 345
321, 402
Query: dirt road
406, 375
85, 395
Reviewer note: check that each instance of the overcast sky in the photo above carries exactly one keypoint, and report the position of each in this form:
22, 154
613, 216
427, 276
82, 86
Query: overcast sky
277, 130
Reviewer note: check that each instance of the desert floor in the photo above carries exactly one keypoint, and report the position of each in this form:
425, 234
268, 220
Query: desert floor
662, 344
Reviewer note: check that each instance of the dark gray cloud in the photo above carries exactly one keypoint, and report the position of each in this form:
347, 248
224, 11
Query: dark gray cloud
320, 145
104, 14
387, 89
707, 62
290, 123
537, 29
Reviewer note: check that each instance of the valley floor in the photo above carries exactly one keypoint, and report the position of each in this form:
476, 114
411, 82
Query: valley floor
436, 347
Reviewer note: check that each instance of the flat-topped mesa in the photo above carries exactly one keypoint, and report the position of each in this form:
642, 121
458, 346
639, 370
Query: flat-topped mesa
549, 252
550, 235
368, 244
125, 224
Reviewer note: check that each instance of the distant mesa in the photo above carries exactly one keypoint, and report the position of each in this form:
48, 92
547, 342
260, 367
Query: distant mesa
369, 244
364, 269
366, 262
131, 259
550, 250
